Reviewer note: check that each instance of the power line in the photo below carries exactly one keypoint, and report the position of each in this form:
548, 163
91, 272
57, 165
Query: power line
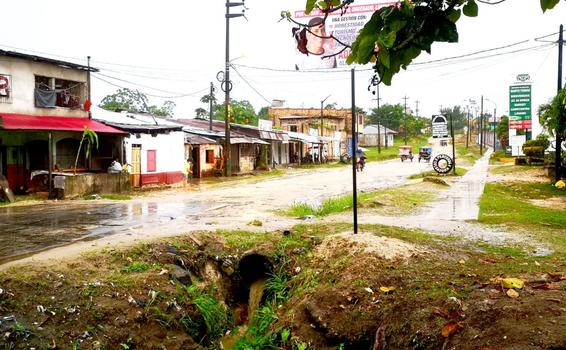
194, 94
250, 85
140, 85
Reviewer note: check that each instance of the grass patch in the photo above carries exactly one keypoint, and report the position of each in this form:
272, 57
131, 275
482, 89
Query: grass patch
136, 267
468, 155
513, 169
392, 151
390, 201
214, 315
330, 165
459, 172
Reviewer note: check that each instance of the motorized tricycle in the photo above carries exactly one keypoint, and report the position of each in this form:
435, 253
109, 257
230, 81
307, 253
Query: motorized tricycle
425, 153
406, 152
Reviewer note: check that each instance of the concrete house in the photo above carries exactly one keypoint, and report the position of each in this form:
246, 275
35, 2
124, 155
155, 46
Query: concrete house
43, 112
243, 149
333, 136
371, 134
153, 148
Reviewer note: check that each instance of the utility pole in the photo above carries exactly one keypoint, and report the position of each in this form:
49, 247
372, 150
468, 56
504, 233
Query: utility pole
494, 127
405, 118
468, 130
417, 108
322, 116
227, 87
88, 89
481, 127
211, 97
378, 122
560, 123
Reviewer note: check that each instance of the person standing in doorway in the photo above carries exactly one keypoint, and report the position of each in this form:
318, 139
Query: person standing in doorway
188, 170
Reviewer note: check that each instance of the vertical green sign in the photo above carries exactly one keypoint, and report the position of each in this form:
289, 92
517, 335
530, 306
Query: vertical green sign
520, 107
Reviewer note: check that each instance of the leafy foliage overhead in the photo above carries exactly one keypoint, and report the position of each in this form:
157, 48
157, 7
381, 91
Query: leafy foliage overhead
553, 115
396, 35
135, 102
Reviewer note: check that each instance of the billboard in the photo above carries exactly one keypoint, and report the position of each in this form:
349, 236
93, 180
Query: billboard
314, 49
520, 110
439, 126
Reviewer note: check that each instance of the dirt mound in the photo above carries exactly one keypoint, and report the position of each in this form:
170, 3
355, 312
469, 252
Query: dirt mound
367, 242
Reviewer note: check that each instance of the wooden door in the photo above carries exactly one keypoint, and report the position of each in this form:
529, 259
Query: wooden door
135, 175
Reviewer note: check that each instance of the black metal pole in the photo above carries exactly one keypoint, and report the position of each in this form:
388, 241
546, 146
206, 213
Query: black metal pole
453, 145
378, 123
228, 160
468, 131
354, 149
50, 161
494, 128
560, 123
88, 85
210, 106
480, 134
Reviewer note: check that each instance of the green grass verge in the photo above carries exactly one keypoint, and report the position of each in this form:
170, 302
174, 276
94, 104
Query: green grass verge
512, 169
391, 201
392, 151
459, 172
468, 155
508, 204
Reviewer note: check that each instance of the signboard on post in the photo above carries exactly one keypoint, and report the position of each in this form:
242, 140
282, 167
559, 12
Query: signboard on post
315, 49
439, 126
520, 114
265, 124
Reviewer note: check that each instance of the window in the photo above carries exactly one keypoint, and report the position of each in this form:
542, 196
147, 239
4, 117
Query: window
5, 88
52, 92
151, 161
209, 156
293, 128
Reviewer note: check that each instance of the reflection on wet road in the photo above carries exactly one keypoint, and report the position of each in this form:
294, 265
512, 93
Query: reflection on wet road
28, 229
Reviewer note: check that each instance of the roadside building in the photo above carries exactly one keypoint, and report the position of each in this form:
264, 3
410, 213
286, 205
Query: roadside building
278, 151
243, 153
333, 136
43, 111
153, 149
371, 134
205, 154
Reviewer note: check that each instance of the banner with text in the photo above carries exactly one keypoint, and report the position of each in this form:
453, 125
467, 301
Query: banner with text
520, 114
314, 49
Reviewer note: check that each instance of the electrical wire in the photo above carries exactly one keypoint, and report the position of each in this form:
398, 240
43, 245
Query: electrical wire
140, 85
193, 94
250, 85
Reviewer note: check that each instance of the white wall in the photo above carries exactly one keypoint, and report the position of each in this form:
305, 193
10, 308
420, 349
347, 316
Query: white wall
170, 151
22, 74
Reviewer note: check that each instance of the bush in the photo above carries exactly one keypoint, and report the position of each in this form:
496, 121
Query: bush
534, 151
544, 143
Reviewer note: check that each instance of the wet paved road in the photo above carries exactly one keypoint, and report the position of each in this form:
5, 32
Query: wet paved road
30, 229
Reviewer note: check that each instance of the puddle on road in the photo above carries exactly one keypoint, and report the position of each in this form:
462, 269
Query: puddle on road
28, 230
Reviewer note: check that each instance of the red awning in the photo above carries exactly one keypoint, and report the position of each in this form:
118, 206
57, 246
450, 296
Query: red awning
24, 122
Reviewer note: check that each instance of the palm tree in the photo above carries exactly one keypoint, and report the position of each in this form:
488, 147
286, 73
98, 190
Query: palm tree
91, 139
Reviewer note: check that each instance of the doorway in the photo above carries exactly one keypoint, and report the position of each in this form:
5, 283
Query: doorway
195, 155
135, 176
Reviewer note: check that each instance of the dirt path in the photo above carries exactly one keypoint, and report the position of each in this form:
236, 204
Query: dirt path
454, 213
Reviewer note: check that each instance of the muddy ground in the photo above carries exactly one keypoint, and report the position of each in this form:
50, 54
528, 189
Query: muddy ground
326, 290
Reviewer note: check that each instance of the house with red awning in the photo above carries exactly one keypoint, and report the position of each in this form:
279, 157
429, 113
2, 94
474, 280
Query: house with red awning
44, 108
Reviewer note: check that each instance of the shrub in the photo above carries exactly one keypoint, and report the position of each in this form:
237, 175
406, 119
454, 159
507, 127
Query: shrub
534, 151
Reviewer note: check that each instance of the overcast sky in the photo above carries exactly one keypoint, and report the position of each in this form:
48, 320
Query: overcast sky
177, 47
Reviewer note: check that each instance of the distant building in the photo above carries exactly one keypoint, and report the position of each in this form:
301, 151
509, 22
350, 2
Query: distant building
334, 134
370, 136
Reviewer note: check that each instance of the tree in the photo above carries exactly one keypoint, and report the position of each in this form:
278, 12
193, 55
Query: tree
553, 115
263, 113
396, 35
388, 115
502, 131
135, 102
90, 138
459, 117
201, 113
